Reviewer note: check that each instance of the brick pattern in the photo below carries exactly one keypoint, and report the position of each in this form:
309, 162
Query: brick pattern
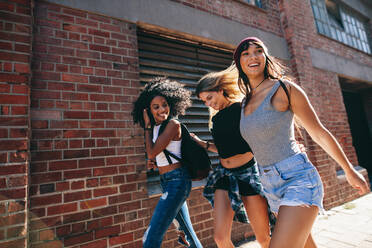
88, 181
87, 170
267, 18
15, 74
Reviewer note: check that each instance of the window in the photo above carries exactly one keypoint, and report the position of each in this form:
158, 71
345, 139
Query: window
340, 23
257, 3
334, 15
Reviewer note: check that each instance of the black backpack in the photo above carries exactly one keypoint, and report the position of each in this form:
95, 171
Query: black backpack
194, 157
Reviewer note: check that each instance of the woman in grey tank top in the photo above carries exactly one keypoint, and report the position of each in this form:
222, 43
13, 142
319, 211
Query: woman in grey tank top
291, 183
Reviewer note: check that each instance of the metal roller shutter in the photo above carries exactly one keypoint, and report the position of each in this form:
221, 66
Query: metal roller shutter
187, 62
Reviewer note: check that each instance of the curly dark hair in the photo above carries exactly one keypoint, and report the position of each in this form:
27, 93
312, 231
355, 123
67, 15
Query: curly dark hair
176, 95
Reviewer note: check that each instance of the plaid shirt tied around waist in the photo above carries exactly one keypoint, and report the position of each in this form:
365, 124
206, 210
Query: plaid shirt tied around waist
249, 175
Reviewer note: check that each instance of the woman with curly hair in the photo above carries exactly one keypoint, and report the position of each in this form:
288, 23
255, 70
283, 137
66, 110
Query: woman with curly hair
233, 187
162, 100
291, 183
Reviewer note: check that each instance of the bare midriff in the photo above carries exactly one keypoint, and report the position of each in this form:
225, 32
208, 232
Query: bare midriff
236, 160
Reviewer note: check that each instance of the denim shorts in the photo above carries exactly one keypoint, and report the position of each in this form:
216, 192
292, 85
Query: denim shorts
293, 181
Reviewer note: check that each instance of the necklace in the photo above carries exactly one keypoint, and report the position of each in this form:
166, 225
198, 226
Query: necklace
258, 84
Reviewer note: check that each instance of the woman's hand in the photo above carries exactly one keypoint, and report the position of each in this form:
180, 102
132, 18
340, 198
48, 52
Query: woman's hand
205, 144
196, 138
301, 146
305, 113
357, 181
151, 164
146, 118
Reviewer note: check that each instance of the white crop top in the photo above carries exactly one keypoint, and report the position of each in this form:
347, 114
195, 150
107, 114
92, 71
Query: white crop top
174, 147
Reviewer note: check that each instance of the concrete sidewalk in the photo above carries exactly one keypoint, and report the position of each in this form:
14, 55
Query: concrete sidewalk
345, 226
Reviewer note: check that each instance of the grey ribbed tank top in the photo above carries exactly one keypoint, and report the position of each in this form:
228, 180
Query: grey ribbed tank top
270, 133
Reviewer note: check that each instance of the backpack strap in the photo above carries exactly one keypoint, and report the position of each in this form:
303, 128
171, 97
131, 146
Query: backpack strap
167, 153
289, 102
162, 126
286, 91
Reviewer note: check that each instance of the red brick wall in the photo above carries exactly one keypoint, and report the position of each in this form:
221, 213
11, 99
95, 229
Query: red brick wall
87, 170
88, 181
15, 74
323, 90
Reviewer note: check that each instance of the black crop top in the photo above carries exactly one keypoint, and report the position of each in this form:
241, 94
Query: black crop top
226, 132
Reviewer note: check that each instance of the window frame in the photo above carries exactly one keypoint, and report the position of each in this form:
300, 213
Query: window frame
353, 30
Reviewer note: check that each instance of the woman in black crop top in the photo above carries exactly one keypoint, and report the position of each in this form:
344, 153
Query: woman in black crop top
233, 188
225, 132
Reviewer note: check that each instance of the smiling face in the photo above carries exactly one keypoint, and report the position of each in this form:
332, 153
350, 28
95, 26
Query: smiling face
214, 99
159, 109
253, 61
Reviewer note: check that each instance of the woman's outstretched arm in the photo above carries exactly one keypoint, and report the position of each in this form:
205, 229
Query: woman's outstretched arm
304, 111
205, 144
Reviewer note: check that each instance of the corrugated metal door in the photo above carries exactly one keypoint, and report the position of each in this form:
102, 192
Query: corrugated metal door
186, 62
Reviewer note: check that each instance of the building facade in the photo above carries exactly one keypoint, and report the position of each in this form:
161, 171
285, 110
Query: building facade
72, 163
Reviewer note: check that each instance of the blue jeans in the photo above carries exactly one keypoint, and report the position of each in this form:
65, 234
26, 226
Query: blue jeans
176, 187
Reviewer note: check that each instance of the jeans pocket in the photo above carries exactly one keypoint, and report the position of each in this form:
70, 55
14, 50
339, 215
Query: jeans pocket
271, 179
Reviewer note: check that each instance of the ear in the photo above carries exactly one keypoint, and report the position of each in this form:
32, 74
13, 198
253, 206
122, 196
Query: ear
222, 93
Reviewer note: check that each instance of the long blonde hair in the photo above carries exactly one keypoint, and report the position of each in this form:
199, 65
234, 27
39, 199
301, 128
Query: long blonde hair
225, 80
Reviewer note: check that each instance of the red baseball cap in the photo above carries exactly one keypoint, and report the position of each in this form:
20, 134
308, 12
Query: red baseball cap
251, 38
